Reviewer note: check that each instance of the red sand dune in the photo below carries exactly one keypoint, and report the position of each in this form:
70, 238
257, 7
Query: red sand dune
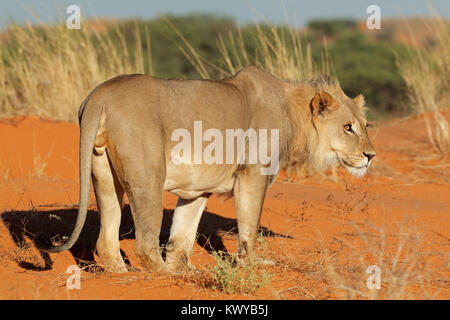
321, 234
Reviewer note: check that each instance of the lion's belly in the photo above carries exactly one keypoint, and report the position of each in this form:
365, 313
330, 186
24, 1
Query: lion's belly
191, 181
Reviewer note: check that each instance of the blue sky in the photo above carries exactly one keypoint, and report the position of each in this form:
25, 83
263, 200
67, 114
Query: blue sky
243, 11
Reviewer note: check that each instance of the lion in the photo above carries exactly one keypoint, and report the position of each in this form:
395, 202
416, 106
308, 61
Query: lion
126, 126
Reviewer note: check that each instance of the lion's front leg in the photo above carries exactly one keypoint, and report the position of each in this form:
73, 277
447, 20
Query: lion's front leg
183, 231
249, 193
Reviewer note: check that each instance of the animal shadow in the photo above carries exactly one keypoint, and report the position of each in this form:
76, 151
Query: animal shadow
58, 224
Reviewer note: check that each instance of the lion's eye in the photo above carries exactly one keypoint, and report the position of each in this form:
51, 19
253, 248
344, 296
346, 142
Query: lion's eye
348, 128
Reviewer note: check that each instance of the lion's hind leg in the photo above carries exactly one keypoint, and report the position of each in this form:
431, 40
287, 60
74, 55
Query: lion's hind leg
109, 196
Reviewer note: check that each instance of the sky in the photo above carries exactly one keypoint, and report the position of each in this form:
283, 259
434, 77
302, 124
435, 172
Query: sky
244, 11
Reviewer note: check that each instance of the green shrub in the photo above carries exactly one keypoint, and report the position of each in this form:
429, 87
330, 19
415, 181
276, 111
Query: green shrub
233, 279
367, 67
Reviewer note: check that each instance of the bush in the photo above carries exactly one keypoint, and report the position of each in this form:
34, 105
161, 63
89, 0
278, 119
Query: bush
369, 68
332, 27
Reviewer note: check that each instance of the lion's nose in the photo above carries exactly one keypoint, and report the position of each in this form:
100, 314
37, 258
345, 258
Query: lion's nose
369, 155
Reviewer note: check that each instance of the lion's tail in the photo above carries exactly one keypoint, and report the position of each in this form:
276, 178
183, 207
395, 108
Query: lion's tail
89, 118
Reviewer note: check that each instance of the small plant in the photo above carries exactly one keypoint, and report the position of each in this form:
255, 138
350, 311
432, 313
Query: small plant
40, 163
233, 279
4, 171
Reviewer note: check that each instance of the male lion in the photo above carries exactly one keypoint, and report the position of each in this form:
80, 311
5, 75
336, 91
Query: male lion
126, 127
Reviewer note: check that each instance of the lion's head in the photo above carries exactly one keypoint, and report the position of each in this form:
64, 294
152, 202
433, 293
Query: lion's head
339, 127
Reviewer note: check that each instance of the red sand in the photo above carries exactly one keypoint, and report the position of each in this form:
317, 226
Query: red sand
396, 217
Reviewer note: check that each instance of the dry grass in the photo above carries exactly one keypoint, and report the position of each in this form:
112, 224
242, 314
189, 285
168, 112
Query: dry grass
40, 161
337, 267
405, 266
427, 74
48, 70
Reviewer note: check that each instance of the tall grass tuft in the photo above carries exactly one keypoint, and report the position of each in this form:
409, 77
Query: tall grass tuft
277, 49
427, 74
48, 70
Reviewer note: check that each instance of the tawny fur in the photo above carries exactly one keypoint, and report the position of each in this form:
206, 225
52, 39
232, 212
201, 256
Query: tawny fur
126, 125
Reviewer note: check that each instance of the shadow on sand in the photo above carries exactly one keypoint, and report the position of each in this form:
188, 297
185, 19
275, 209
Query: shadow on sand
59, 223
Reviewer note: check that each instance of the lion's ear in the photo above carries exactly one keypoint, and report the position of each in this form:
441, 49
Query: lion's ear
360, 101
322, 102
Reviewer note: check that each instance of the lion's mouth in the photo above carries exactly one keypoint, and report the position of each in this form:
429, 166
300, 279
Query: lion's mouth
357, 171
346, 164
